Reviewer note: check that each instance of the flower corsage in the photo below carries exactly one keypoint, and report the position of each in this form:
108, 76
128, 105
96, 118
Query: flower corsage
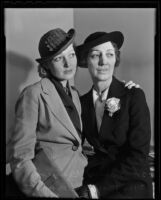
112, 105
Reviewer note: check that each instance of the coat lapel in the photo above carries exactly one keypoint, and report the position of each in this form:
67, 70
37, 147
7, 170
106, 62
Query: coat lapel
89, 119
76, 102
55, 103
116, 90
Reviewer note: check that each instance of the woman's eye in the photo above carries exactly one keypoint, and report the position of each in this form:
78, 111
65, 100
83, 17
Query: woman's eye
110, 54
72, 55
94, 55
57, 59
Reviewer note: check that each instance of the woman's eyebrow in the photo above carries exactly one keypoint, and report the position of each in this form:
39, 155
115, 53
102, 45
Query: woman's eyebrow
93, 50
110, 50
99, 50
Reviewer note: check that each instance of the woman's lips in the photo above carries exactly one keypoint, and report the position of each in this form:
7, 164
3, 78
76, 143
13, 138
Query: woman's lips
68, 71
102, 70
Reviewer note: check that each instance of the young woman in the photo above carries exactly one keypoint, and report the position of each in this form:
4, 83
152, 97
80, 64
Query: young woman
48, 117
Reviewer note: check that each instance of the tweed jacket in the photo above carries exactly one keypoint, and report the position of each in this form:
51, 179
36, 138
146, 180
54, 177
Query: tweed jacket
122, 144
42, 122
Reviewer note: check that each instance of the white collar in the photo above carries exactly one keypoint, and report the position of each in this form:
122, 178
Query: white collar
96, 96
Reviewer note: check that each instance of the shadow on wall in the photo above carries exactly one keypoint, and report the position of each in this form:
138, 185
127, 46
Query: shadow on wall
17, 72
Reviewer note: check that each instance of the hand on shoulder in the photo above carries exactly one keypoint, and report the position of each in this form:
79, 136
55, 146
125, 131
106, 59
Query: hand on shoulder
130, 84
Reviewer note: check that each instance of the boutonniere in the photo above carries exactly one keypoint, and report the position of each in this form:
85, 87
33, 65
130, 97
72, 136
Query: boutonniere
112, 105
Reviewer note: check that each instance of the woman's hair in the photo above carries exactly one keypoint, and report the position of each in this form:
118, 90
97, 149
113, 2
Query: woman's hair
117, 53
43, 73
82, 60
43, 69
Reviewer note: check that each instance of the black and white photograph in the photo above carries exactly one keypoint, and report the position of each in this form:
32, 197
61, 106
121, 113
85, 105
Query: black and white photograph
80, 102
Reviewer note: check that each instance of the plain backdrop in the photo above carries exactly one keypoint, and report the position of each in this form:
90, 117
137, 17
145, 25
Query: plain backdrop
137, 52
24, 27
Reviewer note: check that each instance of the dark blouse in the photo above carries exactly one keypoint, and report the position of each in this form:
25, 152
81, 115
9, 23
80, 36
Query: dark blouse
66, 98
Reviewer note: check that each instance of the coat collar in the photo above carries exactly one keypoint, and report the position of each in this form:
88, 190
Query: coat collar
54, 101
117, 90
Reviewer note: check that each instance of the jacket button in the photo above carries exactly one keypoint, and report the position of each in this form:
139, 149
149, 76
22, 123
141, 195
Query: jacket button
74, 148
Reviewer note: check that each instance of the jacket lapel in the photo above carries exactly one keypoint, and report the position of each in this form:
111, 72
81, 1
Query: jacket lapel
116, 90
55, 103
89, 119
76, 102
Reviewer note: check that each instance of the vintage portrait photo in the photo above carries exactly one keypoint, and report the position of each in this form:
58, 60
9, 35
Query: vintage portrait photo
80, 102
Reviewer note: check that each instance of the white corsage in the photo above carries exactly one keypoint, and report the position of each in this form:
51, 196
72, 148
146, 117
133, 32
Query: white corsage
112, 105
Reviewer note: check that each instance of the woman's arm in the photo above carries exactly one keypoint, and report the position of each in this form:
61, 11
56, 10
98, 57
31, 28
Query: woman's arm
132, 164
23, 146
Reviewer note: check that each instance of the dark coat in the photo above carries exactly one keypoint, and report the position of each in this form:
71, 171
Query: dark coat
119, 167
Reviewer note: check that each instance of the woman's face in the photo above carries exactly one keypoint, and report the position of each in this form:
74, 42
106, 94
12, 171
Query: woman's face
101, 61
63, 66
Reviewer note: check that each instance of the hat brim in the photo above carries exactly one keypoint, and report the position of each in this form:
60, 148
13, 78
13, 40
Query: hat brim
116, 37
68, 41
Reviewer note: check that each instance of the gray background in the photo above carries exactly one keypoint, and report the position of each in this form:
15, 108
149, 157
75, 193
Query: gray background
24, 27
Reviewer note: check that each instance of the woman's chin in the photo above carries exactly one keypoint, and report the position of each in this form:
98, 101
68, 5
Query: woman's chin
103, 77
69, 76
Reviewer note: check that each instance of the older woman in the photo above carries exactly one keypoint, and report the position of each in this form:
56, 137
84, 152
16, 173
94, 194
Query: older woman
116, 122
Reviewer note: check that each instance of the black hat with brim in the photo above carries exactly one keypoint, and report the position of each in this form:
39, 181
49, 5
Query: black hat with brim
95, 39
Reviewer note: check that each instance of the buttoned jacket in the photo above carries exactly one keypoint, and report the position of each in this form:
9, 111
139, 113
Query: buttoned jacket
42, 122
122, 144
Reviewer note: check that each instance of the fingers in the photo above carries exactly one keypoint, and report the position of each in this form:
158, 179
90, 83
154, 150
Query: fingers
137, 86
131, 84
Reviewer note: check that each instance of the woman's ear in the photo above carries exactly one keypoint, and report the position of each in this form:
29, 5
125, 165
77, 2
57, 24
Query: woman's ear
42, 71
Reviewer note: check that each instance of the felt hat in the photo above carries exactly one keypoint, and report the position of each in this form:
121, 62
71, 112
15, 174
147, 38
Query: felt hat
53, 43
95, 39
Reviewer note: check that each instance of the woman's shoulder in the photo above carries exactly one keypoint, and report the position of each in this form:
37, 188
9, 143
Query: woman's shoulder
132, 91
135, 91
32, 89
136, 95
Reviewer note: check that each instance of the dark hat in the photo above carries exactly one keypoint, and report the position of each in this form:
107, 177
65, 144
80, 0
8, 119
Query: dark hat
54, 42
98, 38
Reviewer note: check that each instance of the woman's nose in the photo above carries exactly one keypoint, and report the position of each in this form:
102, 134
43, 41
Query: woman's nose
102, 60
66, 62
